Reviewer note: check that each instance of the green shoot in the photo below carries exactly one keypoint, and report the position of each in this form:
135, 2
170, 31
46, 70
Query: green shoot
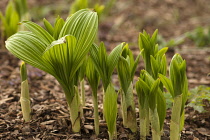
93, 79
177, 85
105, 65
37, 47
150, 95
24, 98
155, 62
126, 69
110, 110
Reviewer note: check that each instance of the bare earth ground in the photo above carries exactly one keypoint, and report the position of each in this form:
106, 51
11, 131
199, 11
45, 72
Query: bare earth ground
50, 117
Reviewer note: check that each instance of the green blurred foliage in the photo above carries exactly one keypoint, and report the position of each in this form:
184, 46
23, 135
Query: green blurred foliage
197, 97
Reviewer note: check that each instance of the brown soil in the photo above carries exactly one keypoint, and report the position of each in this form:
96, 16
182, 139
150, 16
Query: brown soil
50, 116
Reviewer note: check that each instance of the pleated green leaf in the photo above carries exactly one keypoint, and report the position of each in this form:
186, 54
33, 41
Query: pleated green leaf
48, 27
28, 47
92, 75
37, 30
124, 73
167, 83
105, 63
153, 94
113, 58
110, 108
140, 93
161, 108
57, 27
154, 37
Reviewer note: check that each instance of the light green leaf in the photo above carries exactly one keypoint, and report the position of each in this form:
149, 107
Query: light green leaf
37, 30
167, 83
161, 108
113, 58
153, 94
124, 73
110, 108
92, 75
48, 27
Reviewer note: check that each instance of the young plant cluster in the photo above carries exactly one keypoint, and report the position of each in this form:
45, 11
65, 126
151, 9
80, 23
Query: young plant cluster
67, 51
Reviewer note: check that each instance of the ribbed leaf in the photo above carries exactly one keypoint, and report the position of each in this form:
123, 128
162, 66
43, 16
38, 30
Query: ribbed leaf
167, 83
59, 56
37, 30
161, 108
113, 58
141, 94
110, 108
48, 27
58, 26
124, 73
27, 47
92, 75
153, 94
136, 62
154, 37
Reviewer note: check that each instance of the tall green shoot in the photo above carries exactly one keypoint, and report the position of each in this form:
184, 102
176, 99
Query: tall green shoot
150, 95
126, 69
155, 63
177, 85
93, 79
105, 65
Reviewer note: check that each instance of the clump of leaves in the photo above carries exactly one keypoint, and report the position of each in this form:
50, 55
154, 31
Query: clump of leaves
60, 57
197, 96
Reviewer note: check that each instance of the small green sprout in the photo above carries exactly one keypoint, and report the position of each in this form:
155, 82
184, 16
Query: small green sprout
60, 58
24, 98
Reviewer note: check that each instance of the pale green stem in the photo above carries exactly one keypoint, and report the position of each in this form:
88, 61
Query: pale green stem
175, 118
143, 122
103, 102
96, 120
147, 119
25, 101
155, 124
82, 88
112, 136
128, 109
75, 109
